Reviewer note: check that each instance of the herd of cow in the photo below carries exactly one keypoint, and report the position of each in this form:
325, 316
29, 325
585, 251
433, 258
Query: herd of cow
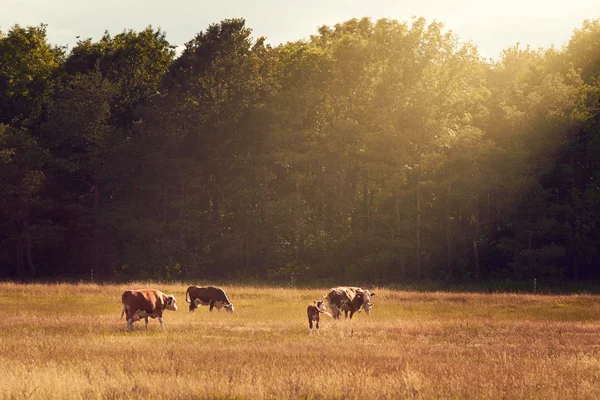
150, 303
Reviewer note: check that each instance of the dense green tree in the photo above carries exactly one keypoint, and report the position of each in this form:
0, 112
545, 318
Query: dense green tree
78, 134
204, 143
132, 61
376, 151
28, 68
27, 228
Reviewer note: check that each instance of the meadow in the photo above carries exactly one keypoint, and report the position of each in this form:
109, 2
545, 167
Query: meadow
66, 341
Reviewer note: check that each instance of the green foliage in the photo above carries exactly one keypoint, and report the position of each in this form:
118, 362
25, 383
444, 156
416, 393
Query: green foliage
28, 68
377, 151
133, 62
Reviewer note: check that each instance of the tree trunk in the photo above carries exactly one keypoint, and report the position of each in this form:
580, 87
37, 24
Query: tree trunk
265, 198
475, 239
398, 210
20, 261
493, 230
300, 250
96, 190
31, 270
573, 236
448, 233
529, 242
341, 161
519, 270
97, 264
298, 225
419, 226
367, 222
246, 247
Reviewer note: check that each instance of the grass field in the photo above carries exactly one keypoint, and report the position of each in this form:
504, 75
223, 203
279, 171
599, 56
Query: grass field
67, 341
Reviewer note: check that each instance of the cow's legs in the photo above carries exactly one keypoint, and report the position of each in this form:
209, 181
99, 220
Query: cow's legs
212, 304
310, 326
335, 312
317, 324
130, 324
161, 323
146, 322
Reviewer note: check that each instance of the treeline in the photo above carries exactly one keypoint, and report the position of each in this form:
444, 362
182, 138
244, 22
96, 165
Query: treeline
374, 151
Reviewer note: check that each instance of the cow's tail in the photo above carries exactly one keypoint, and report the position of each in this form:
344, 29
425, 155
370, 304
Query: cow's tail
187, 293
123, 311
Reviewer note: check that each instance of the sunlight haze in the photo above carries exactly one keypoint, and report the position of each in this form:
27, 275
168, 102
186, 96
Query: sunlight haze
492, 26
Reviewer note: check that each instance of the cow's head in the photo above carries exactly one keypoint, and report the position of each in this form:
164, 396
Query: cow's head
229, 307
367, 305
320, 304
171, 303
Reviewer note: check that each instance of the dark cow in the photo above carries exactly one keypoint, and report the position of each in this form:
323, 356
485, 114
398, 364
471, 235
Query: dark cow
348, 299
361, 301
313, 312
215, 297
337, 299
144, 303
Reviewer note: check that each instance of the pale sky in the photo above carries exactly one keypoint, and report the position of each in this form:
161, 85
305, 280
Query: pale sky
491, 25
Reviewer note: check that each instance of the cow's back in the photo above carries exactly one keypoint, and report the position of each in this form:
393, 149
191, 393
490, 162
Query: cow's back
208, 294
142, 299
339, 297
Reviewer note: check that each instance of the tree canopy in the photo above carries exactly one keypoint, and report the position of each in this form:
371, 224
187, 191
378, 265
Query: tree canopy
379, 151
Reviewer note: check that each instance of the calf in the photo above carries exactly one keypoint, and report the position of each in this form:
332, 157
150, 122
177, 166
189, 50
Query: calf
144, 303
313, 311
215, 297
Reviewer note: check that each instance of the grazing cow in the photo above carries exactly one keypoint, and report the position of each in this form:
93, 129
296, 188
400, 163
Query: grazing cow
348, 299
215, 297
338, 299
144, 303
361, 301
313, 312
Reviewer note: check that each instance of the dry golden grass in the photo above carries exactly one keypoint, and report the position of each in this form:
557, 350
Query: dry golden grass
66, 341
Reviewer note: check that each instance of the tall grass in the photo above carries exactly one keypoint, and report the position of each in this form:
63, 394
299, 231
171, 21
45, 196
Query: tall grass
67, 341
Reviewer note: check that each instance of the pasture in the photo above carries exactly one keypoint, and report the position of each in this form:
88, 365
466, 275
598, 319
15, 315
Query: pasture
67, 341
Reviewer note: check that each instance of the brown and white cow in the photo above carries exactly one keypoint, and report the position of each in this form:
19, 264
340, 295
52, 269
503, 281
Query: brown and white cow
207, 296
313, 311
348, 299
144, 303
361, 301
337, 299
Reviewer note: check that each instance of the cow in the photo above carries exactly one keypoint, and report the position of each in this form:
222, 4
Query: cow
215, 297
337, 300
361, 301
144, 303
349, 299
313, 311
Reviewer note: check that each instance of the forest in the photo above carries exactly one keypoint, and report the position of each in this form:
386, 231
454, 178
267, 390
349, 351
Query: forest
373, 151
